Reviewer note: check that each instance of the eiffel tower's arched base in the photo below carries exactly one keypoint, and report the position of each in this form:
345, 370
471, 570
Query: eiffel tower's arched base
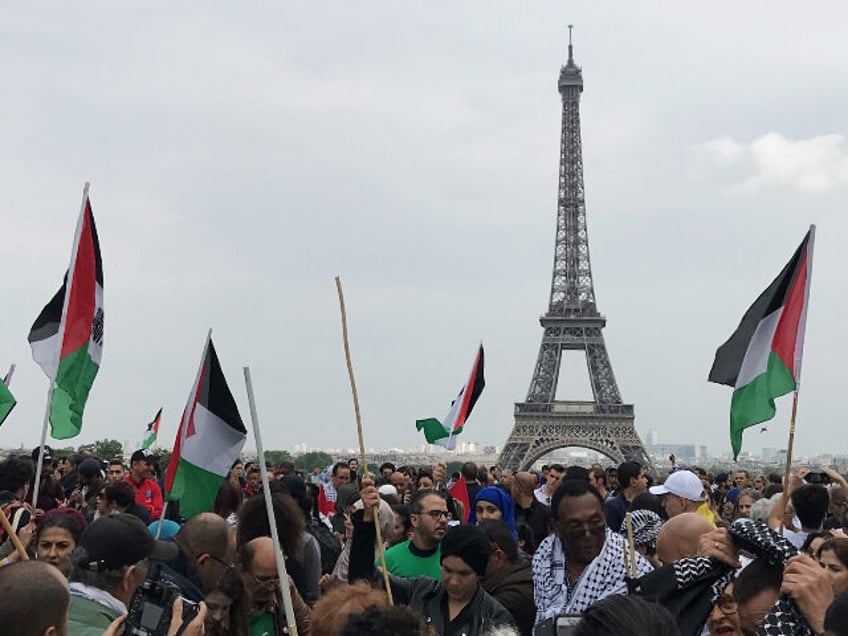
535, 435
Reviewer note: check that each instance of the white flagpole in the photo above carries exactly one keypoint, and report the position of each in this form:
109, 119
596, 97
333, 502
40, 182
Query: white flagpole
161, 519
181, 431
8, 379
58, 353
269, 507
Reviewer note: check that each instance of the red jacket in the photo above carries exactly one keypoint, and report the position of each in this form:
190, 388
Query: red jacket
325, 507
147, 494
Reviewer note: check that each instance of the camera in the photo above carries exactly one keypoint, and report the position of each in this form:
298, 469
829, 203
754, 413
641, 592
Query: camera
563, 625
151, 605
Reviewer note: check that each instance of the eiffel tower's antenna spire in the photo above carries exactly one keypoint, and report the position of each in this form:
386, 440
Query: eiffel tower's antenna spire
570, 48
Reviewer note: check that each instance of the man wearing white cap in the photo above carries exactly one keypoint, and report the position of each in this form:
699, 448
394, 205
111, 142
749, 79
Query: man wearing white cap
681, 492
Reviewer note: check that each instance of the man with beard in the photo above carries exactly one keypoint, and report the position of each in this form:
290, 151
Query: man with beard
421, 555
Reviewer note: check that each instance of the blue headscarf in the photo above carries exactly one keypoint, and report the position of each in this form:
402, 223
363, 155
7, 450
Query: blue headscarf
502, 500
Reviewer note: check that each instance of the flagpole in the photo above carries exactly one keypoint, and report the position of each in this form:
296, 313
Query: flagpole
69, 279
161, 520
799, 352
7, 380
380, 546
181, 431
266, 488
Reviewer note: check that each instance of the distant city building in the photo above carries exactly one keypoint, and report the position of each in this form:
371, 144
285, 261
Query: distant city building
683, 452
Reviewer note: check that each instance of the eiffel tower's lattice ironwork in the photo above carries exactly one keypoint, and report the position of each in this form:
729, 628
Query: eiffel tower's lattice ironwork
542, 423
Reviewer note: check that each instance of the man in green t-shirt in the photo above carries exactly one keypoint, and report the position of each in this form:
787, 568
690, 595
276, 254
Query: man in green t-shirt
420, 556
258, 568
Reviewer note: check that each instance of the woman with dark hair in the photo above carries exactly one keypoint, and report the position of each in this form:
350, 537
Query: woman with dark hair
814, 542
225, 607
647, 501
57, 533
833, 556
304, 569
227, 503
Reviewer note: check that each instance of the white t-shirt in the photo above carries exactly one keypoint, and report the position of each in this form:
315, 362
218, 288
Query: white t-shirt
795, 538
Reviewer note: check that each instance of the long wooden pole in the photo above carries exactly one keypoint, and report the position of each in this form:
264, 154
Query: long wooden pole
788, 469
361, 440
269, 508
629, 521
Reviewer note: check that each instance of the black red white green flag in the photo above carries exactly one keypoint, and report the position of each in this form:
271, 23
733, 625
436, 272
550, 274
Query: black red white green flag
151, 431
209, 440
7, 400
762, 359
444, 433
67, 336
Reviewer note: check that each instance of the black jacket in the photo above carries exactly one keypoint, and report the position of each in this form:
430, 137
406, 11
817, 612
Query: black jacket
512, 587
426, 595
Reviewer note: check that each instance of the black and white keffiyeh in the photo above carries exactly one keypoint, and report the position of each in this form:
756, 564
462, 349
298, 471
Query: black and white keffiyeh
784, 618
604, 576
646, 526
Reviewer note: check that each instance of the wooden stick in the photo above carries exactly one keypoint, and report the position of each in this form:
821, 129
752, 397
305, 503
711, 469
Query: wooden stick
629, 522
788, 468
269, 508
14, 537
361, 440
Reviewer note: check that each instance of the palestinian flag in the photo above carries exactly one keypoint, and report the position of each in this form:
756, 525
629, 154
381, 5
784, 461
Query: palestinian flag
762, 359
67, 336
7, 400
151, 431
210, 438
444, 434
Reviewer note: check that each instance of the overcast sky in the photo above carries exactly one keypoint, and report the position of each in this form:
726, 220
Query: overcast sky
241, 155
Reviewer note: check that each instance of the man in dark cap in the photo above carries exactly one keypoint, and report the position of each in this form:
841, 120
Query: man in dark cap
455, 605
110, 562
147, 491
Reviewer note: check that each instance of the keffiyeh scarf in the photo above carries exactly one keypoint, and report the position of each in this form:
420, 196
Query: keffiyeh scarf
604, 576
784, 618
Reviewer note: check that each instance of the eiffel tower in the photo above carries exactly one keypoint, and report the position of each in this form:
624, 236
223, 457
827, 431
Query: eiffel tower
572, 323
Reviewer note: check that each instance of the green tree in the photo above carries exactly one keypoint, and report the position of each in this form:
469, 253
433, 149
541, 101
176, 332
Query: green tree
308, 461
105, 449
277, 457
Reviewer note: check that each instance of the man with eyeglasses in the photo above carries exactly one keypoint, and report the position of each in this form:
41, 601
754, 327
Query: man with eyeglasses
420, 556
724, 617
207, 548
263, 598
582, 561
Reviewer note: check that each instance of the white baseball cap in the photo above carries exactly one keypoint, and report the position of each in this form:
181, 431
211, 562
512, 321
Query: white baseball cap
387, 489
682, 483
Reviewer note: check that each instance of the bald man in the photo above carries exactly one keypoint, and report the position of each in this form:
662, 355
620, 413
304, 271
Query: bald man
528, 509
258, 568
35, 599
207, 549
679, 536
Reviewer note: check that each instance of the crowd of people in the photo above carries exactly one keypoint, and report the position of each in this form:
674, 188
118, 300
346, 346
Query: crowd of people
577, 549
